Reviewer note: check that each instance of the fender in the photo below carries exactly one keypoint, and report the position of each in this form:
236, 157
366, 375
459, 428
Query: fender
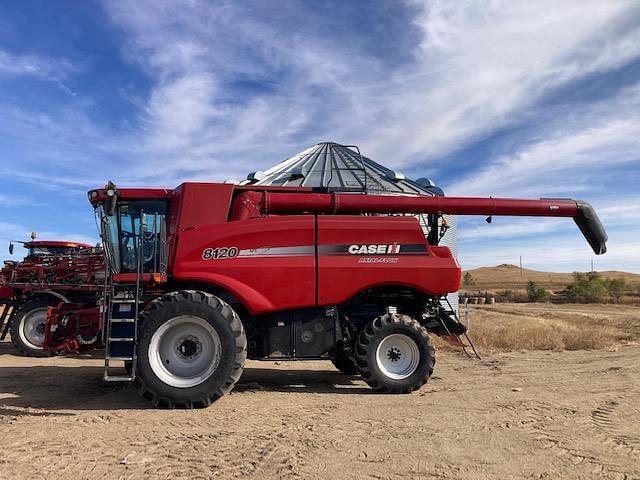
58, 295
375, 286
251, 299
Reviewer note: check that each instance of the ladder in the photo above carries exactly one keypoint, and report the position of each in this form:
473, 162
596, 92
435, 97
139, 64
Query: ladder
455, 338
122, 304
351, 165
121, 325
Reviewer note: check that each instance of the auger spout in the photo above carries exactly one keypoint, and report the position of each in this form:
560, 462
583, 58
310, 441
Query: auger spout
250, 204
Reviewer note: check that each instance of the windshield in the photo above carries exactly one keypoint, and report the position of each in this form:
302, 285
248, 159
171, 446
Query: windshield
134, 236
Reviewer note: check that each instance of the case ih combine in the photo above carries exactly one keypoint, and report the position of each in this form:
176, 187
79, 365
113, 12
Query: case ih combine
51, 273
204, 276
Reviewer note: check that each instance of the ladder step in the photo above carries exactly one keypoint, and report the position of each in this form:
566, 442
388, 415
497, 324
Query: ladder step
124, 300
122, 330
120, 339
117, 378
122, 348
122, 320
126, 359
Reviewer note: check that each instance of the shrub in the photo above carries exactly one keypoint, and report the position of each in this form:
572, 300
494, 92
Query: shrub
468, 279
587, 288
616, 288
536, 293
512, 296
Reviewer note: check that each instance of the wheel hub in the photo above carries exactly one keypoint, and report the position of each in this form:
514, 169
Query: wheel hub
189, 347
394, 354
398, 356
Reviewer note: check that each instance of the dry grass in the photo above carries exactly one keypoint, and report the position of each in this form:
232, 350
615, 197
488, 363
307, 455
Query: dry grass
509, 327
509, 277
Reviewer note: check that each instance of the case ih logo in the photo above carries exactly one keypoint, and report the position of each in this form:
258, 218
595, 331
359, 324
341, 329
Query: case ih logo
390, 249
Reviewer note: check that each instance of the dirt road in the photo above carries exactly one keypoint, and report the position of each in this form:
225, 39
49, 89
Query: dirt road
517, 415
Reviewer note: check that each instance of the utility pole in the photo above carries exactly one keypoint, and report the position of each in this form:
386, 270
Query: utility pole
520, 265
592, 265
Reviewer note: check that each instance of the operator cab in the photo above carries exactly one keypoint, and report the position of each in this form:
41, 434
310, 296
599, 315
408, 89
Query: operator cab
134, 236
134, 233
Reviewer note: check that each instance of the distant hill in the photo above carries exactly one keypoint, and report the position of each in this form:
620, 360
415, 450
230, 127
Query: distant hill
510, 277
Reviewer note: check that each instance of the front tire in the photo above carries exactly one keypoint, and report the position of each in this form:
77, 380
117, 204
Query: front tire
394, 354
28, 324
343, 362
191, 350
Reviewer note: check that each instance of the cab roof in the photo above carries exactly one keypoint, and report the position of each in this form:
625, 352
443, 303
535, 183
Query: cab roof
55, 243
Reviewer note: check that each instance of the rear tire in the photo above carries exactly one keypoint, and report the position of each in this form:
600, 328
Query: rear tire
394, 354
27, 326
191, 350
343, 362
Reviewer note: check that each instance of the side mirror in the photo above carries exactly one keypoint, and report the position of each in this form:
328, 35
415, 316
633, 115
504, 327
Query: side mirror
10, 248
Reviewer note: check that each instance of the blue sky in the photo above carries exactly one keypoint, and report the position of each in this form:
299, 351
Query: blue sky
494, 98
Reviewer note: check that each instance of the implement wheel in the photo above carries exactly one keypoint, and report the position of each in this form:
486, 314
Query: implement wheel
27, 326
394, 354
191, 350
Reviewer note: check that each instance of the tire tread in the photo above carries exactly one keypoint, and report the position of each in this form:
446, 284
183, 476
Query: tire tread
366, 340
230, 316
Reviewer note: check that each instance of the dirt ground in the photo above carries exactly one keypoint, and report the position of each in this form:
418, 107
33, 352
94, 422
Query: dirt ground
525, 414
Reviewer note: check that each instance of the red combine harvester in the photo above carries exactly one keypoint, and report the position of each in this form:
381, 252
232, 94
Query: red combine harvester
204, 276
53, 272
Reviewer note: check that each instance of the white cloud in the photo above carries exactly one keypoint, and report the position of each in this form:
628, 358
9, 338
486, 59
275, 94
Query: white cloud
52, 69
565, 152
478, 67
482, 65
12, 200
627, 213
509, 228
34, 65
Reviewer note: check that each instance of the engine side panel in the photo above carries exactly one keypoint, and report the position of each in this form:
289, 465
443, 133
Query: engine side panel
268, 263
358, 252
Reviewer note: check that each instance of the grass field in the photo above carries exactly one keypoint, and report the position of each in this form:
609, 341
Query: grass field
544, 326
